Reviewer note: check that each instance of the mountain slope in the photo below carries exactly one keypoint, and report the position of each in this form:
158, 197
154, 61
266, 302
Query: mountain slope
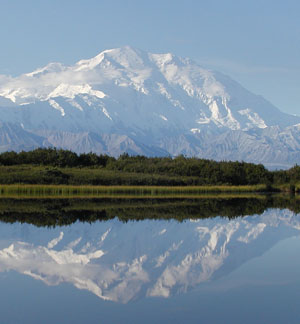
151, 98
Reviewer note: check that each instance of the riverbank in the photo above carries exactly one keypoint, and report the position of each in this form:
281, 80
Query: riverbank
131, 191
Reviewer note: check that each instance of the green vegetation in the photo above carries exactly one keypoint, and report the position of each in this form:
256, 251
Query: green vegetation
57, 212
49, 187
69, 191
62, 167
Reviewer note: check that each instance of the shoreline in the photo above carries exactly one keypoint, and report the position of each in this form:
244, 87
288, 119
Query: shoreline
134, 191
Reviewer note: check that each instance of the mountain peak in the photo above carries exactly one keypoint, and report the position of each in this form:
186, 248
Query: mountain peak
125, 56
130, 92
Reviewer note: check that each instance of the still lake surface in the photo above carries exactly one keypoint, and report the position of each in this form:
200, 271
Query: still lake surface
189, 265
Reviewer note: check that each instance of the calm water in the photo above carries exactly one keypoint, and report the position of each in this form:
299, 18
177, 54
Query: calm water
208, 270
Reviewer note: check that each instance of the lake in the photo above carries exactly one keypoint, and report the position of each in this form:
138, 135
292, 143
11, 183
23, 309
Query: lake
207, 260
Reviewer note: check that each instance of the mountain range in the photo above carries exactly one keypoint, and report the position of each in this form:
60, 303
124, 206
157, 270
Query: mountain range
128, 100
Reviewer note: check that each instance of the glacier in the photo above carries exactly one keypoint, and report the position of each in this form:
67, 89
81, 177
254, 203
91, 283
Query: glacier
129, 100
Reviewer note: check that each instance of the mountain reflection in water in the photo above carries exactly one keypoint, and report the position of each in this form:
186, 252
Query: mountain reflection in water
125, 261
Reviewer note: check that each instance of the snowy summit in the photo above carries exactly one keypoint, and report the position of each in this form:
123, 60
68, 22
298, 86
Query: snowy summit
126, 99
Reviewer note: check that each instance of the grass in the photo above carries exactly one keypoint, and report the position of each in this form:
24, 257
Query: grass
30, 174
122, 191
32, 180
287, 187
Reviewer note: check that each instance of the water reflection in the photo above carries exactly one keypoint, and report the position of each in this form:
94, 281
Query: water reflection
58, 212
122, 262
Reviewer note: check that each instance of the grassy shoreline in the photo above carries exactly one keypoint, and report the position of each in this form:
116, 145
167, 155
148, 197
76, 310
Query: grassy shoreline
125, 191
160, 178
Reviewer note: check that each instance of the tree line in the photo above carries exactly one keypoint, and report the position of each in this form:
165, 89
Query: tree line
199, 171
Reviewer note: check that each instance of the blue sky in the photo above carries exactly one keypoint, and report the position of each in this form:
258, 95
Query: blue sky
255, 42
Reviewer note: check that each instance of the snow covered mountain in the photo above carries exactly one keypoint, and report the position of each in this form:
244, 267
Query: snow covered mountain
119, 262
156, 104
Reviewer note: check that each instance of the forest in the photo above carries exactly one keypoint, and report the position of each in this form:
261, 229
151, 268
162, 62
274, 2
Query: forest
57, 166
